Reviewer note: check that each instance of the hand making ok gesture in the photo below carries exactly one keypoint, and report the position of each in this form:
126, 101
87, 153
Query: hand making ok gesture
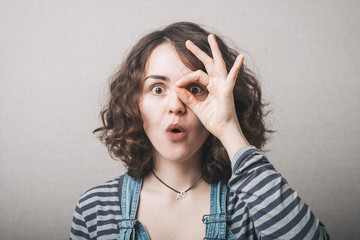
217, 112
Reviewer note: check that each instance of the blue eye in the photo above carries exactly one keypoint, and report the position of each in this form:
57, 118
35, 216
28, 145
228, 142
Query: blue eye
157, 89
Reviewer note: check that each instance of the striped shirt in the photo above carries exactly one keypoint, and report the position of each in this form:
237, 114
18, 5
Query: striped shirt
260, 204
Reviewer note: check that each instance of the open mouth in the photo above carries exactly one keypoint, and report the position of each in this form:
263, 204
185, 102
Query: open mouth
175, 130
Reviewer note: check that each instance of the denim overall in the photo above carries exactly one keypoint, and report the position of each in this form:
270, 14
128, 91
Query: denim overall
130, 228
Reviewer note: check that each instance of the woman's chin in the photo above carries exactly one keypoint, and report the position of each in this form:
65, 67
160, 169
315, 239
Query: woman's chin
179, 156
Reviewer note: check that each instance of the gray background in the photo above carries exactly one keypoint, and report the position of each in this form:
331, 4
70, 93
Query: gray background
56, 57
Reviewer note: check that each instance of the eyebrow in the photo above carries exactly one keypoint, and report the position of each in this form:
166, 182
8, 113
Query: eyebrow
160, 77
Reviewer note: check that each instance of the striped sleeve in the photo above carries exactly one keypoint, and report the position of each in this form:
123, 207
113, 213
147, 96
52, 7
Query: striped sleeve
78, 227
98, 212
262, 205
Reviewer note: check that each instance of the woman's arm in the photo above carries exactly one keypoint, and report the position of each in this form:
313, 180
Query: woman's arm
79, 229
275, 208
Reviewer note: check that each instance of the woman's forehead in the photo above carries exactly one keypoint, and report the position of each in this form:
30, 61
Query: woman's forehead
164, 60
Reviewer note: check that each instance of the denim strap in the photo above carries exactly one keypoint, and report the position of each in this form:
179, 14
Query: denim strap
216, 227
129, 203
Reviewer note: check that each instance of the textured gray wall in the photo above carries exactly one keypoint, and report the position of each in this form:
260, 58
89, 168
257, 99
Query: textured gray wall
56, 57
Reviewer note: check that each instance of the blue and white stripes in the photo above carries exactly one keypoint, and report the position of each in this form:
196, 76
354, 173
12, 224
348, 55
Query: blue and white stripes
98, 213
266, 203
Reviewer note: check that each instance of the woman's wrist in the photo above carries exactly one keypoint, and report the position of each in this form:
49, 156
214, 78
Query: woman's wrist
233, 139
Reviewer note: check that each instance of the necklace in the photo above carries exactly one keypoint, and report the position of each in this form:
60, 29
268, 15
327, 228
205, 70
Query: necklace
180, 194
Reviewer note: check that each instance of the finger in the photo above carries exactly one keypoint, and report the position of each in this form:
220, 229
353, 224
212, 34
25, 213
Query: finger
197, 76
200, 54
215, 50
235, 69
187, 98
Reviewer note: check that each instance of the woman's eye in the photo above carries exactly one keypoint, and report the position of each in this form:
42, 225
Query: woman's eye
195, 89
157, 90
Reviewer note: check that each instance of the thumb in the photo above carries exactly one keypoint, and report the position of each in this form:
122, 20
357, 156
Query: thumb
187, 98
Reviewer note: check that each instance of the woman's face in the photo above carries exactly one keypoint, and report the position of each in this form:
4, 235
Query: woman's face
173, 129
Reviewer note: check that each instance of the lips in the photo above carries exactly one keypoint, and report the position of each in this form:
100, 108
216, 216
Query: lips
175, 132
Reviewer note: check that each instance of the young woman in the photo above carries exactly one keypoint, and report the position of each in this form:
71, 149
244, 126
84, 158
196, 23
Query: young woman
186, 117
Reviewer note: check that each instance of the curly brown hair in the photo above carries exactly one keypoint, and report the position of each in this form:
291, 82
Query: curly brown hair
122, 131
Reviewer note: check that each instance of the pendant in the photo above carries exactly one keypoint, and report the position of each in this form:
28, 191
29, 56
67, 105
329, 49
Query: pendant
181, 195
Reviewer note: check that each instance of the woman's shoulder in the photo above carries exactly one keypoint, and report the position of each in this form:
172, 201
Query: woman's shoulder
102, 194
98, 211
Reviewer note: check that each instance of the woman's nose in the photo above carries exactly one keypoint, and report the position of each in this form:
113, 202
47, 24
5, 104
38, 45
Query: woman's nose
176, 106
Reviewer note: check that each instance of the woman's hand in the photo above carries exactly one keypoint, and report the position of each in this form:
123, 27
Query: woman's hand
217, 112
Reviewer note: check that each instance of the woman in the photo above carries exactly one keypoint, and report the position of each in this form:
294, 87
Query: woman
186, 118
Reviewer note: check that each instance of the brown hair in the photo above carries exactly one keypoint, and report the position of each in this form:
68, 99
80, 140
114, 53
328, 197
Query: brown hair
122, 131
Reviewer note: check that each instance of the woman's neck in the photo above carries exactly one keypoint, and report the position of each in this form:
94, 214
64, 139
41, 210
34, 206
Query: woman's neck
179, 175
